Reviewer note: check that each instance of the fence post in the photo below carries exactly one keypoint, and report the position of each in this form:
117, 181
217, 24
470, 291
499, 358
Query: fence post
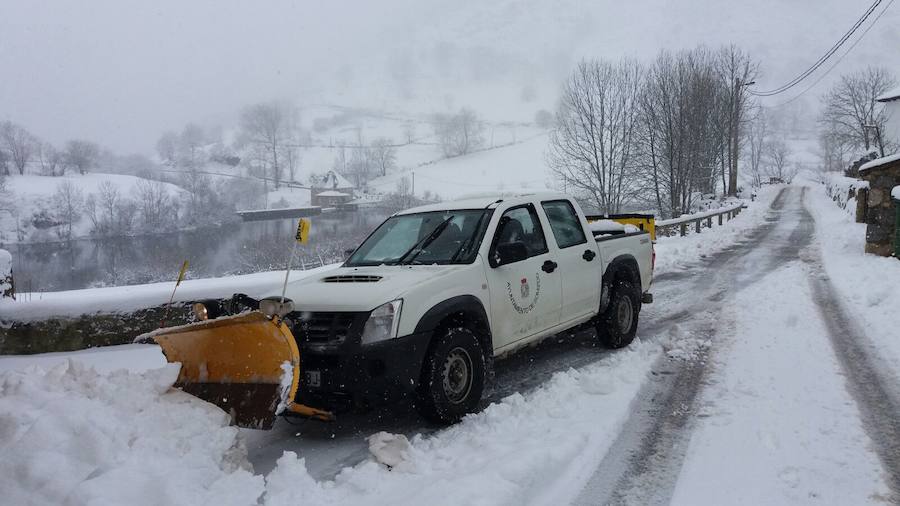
720, 220
709, 222
698, 226
683, 229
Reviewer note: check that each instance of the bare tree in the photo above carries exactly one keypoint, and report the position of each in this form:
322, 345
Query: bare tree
270, 125
736, 70
778, 159
51, 159
190, 142
459, 134
154, 204
851, 111
757, 133
384, 154
680, 141
167, 147
81, 155
68, 201
592, 148
19, 144
4, 161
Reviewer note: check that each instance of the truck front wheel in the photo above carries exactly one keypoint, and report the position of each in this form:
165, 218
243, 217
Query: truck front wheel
453, 376
617, 326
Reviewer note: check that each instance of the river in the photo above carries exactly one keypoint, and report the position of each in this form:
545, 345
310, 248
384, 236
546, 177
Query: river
239, 248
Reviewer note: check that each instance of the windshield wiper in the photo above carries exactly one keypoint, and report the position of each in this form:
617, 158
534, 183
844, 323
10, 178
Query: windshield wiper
425, 241
465, 244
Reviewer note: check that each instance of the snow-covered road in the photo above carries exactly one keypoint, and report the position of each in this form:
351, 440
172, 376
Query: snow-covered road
752, 382
783, 404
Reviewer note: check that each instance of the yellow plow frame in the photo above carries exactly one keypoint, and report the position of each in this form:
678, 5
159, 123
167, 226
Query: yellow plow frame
247, 364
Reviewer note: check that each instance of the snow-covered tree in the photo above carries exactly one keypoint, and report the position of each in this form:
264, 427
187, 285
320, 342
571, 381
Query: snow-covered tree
20, 145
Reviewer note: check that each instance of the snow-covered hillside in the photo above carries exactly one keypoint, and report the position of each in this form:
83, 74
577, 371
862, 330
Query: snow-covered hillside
33, 195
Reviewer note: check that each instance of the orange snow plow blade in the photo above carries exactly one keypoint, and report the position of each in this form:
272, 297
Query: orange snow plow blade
247, 364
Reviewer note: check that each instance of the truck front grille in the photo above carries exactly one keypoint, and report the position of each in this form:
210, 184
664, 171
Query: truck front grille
327, 327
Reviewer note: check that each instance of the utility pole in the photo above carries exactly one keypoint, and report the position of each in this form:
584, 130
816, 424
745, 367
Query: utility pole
735, 134
413, 192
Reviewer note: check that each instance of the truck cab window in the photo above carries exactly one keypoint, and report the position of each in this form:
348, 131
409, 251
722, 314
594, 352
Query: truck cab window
564, 223
520, 224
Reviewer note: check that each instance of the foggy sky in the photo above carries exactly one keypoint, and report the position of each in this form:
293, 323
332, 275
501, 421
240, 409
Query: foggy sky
121, 72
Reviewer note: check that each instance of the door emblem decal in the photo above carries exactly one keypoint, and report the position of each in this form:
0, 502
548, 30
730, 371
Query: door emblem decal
527, 302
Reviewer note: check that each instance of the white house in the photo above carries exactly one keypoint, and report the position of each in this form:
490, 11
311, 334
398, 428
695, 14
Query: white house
891, 101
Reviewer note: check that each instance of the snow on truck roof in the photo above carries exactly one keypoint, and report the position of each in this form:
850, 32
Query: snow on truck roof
482, 202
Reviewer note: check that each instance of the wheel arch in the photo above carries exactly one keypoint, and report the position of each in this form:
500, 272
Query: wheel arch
464, 310
622, 268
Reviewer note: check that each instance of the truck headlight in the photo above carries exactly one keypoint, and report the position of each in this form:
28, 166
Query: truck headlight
274, 307
383, 322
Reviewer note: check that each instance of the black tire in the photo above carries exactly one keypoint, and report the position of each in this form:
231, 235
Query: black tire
453, 376
617, 326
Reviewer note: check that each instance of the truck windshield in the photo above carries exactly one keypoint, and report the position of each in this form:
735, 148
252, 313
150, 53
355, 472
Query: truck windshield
439, 237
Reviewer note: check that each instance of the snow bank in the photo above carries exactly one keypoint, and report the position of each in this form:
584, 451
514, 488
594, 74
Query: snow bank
879, 162
840, 188
71, 435
868, 283
132, 297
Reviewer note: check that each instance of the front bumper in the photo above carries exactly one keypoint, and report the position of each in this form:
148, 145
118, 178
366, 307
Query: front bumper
340, 374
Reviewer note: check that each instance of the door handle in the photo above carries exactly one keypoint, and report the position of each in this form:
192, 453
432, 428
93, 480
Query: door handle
549, 266
588, 255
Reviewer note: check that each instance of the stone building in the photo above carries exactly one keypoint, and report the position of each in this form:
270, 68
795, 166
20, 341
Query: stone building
883, 174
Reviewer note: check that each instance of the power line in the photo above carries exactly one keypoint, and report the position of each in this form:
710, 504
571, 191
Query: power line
821, 61
840, 58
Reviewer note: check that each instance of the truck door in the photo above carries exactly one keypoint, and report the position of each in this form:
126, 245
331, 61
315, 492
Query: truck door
580, 267
523, 278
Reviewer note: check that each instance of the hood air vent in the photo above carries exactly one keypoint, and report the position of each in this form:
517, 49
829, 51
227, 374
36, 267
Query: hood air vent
351, 278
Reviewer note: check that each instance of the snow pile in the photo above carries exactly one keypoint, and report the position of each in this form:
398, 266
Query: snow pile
842, 189
5, 271
607, 226
71, 435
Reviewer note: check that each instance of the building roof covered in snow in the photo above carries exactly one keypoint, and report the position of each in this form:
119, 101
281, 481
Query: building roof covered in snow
890, 96
332, 180
878, 162
332, 193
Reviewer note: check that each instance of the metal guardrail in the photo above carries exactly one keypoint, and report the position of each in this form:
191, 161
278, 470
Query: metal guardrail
668, 227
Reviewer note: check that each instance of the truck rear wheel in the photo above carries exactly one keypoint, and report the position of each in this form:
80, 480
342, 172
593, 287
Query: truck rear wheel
453, 376
617, 326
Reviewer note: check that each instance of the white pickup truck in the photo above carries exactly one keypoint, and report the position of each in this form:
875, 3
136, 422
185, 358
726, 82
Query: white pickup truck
426, 303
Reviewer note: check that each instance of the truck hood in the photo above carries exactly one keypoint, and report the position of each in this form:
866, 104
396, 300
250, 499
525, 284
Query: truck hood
360, 288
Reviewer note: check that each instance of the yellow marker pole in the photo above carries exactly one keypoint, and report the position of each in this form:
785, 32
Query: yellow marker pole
302, 237
181, 273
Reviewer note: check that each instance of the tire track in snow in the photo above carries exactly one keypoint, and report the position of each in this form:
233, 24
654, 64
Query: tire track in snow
869, 379
643, 463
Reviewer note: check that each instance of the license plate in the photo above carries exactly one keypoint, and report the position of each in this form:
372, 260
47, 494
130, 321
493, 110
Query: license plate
314, 378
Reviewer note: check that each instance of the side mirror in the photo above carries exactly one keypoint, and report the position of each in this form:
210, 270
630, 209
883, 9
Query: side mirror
510, 252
